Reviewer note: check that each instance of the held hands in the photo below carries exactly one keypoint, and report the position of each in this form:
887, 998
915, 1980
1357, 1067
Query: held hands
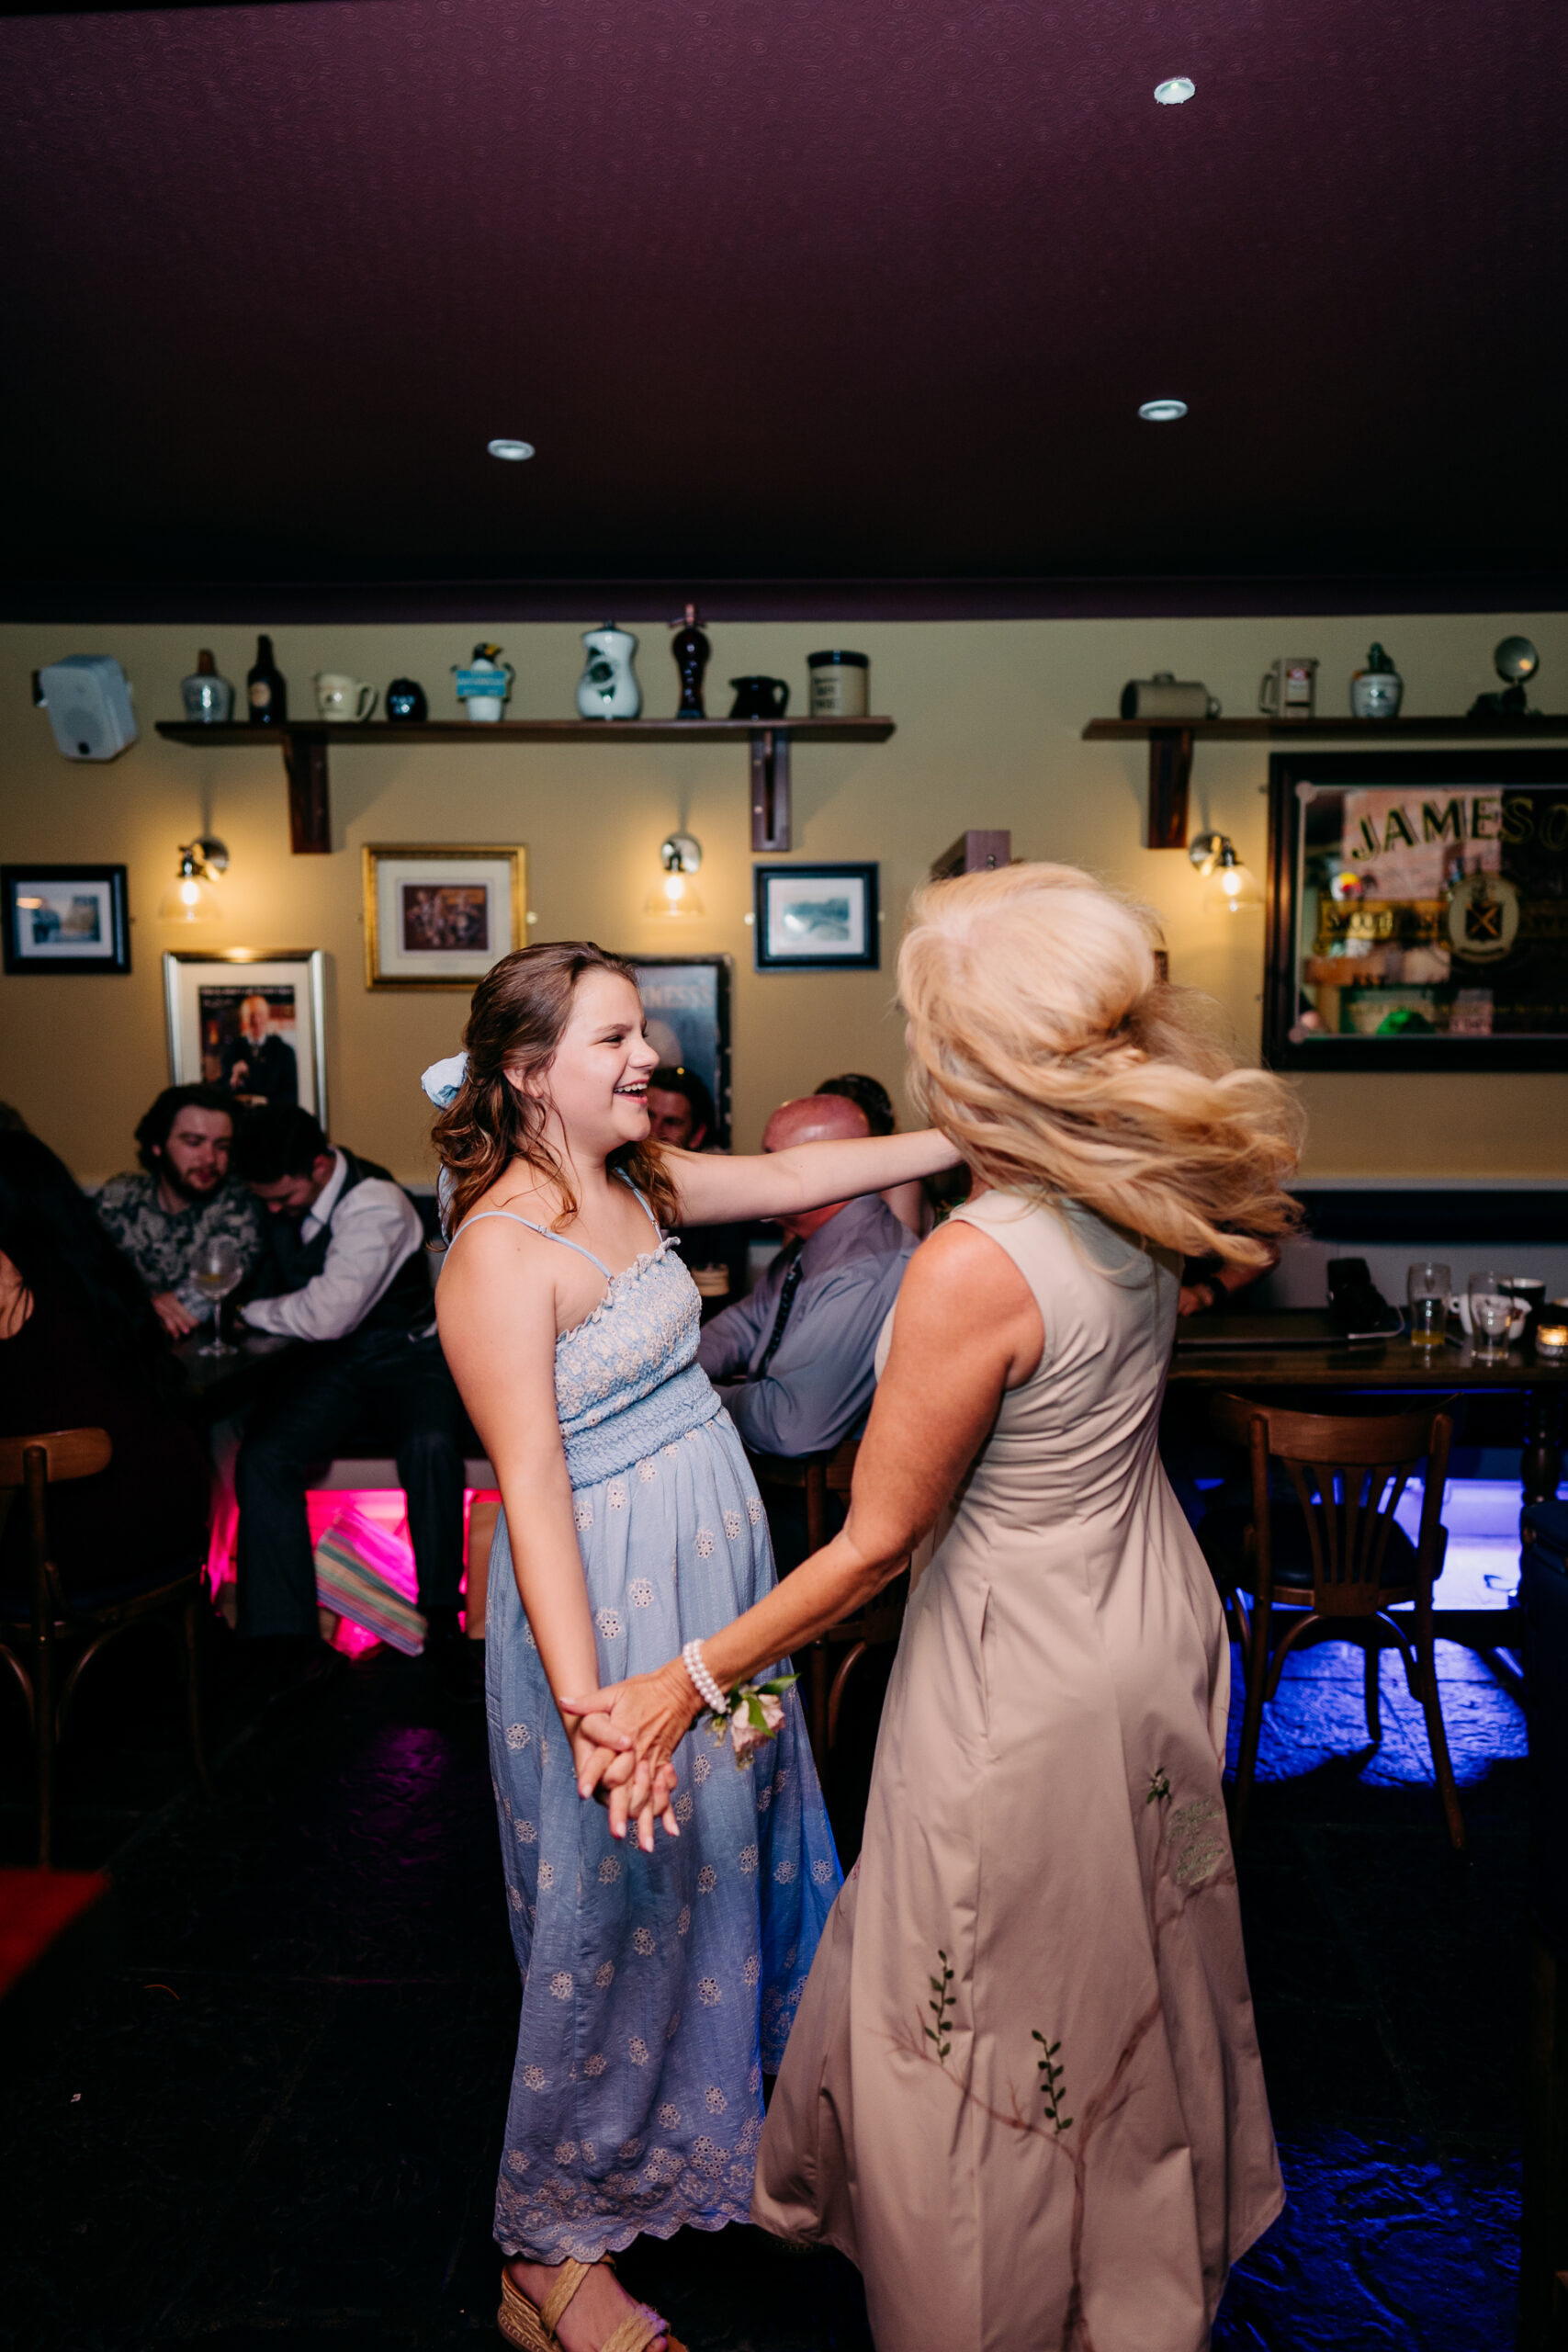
607, 1768
625, 1736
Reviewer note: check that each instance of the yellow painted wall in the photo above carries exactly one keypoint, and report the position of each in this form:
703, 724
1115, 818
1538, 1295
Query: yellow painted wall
987, 713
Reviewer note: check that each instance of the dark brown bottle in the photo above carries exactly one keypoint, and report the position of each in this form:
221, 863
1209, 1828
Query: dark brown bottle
265, 689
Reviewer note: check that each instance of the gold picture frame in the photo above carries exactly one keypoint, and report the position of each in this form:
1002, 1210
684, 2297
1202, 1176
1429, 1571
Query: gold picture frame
425, 903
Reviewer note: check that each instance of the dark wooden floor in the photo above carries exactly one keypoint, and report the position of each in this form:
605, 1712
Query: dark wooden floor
276, 2121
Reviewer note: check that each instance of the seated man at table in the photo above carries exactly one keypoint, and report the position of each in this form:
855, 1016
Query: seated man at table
794, 1362
350, 1278
182, 1197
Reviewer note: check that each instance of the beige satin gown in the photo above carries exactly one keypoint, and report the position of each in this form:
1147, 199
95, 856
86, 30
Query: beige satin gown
1071, 2148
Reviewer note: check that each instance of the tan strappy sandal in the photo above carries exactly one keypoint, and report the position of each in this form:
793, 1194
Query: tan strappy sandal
532, 2326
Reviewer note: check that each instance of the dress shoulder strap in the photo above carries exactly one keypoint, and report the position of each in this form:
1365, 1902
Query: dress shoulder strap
511, 1218
639, 1198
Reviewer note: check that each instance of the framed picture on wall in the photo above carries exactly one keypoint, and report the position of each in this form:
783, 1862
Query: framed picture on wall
439, 917
686, 1000
1418, 910
255, 1025
814, 917
64, 918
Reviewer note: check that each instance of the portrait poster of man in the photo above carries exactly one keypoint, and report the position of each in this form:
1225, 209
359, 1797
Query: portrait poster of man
249, 1041
1431, 908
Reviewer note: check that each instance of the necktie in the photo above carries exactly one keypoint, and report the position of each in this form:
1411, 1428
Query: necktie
786, 1300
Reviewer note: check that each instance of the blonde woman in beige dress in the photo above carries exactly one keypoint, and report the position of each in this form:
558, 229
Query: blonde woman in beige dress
1023, 2090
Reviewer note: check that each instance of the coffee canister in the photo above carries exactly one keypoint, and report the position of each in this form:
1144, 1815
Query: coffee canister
840, 684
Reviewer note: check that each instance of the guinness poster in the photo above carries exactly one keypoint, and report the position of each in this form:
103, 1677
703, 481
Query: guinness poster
1419, 911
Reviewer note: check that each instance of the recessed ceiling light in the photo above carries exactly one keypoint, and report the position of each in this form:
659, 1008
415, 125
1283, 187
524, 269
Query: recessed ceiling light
513, 451
1176, 92
1161, 411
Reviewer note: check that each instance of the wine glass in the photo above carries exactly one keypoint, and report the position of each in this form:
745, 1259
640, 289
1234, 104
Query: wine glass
1491, 1309
216, 1269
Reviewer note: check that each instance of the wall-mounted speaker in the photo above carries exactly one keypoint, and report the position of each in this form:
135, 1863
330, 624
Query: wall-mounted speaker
88, 699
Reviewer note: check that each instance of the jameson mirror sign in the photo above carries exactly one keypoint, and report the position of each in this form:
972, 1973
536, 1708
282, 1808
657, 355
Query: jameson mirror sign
1418, 910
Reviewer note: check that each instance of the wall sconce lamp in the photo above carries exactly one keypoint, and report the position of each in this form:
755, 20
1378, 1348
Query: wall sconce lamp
1228, 884
675, 899
190, 897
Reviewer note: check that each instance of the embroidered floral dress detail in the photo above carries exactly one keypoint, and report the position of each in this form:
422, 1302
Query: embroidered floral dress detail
655, 1986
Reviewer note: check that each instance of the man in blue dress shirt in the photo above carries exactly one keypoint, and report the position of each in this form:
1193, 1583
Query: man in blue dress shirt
794, 1362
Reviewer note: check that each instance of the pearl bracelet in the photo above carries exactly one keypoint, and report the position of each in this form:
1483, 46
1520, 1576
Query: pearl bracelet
706, 1688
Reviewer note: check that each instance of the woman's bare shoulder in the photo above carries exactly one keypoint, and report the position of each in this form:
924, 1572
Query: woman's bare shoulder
962, 1271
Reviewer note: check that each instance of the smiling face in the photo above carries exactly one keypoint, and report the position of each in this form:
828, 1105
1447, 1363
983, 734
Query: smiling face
596, 1083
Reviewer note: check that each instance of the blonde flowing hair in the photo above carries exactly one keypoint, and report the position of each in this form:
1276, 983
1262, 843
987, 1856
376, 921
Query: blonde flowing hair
1045, 1046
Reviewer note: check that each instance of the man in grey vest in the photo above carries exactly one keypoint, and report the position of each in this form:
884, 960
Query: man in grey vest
349, 1276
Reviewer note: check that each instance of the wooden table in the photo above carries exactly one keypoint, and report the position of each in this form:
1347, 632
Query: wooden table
216, 1386
1395, 1368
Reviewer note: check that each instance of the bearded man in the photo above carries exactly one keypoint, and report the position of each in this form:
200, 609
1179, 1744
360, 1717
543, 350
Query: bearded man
182, 1197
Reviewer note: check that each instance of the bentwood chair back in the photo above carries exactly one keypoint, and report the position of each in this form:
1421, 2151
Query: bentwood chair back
48, 1645
833, 1657
1331, 1562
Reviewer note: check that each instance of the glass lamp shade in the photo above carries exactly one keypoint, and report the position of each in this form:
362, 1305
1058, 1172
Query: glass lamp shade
188, 900
1230, 888
674, 899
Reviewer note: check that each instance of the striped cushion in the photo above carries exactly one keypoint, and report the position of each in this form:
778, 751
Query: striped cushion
347, 1582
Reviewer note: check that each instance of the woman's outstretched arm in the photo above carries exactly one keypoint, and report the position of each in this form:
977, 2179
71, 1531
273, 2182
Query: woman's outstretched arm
967, 1330
718, 1191
496, 1313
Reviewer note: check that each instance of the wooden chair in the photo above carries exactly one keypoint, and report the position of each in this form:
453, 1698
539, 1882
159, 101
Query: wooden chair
35, 1644
1338, 1564
879, 1627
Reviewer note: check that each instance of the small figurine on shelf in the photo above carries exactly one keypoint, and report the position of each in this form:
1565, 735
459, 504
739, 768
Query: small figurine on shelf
484, 684
1515, 661
406, 703
1377, 691
208, 700
690, 650
608, 686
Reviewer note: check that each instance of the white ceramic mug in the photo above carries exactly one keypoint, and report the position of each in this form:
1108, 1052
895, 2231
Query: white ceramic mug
339, 696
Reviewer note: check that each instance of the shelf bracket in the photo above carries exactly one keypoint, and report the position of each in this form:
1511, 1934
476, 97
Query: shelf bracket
769, 789
310, 815
1170, 772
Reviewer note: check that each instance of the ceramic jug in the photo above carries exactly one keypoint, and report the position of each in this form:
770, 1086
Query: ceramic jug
608, 686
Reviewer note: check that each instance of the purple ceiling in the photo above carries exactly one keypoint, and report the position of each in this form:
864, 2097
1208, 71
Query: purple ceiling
785, 291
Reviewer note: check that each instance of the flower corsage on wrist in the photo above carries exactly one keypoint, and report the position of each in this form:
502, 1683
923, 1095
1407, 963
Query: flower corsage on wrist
749, 1714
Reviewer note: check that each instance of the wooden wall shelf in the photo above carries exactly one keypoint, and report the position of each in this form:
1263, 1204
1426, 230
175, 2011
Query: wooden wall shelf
304, 743
1170, 747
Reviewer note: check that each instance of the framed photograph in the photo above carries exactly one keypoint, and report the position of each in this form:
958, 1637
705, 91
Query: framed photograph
813, 917
438, 918
1418, 910
686, 998
65, 918
254, 1024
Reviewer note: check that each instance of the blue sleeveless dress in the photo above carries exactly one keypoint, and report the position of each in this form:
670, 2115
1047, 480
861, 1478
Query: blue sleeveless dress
656, 1987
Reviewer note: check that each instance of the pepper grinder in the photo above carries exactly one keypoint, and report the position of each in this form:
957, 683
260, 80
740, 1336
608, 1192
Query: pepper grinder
691, 651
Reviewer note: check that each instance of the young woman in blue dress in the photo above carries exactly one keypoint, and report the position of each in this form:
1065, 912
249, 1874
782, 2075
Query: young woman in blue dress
660, 1975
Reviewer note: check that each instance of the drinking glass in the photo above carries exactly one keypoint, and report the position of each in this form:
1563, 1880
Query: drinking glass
216, 1269
1429, 1288
1491, 1309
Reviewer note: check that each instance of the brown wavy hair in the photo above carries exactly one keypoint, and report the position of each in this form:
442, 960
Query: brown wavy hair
1046, 1046
515, 1022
